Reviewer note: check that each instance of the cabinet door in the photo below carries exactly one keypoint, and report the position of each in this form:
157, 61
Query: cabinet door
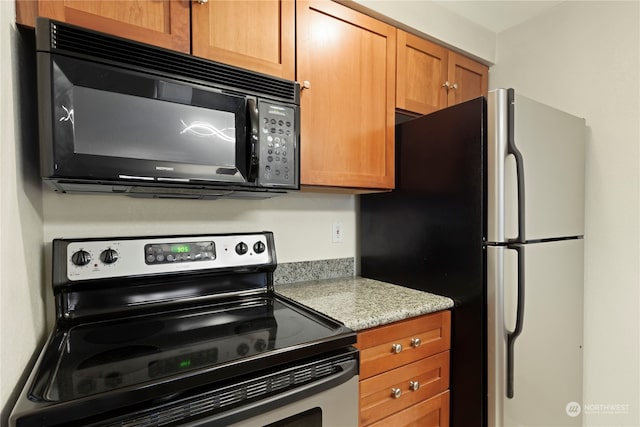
429, 413
422, 70
255, 34
417, 338
469, 76
163, 23
348, 58
395, 390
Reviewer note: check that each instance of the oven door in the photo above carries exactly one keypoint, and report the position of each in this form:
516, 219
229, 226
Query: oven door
336, 407
101, 122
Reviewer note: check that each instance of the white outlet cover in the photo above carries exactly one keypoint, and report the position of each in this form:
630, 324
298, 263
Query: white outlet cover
337, 232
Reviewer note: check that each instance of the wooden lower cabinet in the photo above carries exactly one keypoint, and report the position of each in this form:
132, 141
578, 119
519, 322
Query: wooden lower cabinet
404, 372
433, 412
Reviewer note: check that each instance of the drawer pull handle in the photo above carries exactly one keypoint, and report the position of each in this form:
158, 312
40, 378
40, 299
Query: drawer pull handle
415, 342
396, 348
396, 393
414, 385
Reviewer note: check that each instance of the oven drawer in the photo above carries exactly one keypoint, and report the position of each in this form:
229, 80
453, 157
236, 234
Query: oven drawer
394, 345
429, 413
400, 388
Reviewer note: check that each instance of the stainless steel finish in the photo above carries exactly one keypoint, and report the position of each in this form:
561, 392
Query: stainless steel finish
552, 144
131, 256
414, 385
548, 353
396, 393
496, 374
339, 407
497, 140
396, 348
415, 342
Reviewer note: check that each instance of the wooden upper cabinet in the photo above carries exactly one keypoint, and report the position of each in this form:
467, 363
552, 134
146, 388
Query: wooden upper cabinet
163, 23
422, 70
348, 60
470, 77
258, 34
431, 77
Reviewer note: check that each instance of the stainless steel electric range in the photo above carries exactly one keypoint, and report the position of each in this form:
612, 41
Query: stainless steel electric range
185, 331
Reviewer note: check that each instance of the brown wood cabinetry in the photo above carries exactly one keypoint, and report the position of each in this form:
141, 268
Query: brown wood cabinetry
348, 60
431, 77
404, 372
257, 35
161, 23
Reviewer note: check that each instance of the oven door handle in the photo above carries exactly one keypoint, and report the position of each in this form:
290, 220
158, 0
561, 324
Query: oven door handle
349, 369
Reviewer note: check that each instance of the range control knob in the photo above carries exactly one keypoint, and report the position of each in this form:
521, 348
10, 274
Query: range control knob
81, 258
243, 349
259, 247
242, 248
109, 256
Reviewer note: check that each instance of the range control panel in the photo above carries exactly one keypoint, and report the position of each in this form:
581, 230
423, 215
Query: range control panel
98, 259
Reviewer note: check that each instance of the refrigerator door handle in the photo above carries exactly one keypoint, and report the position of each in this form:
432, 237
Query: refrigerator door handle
511, 336
513, 150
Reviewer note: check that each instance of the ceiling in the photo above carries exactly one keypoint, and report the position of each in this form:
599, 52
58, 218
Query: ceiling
497, 16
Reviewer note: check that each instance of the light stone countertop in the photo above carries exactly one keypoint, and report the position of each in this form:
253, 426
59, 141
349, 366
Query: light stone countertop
361, 303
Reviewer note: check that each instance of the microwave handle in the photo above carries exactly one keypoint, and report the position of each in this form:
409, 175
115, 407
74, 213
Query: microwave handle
252, 138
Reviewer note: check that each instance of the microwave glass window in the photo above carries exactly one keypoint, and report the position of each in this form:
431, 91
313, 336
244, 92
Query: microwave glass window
118, 125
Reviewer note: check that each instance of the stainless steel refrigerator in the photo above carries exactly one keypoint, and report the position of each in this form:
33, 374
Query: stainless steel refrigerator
489, 210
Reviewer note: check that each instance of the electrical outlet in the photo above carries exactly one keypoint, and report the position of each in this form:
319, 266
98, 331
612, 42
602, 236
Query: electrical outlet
337, 233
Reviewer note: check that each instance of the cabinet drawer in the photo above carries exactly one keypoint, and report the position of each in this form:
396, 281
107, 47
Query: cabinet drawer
390, 346
429, 413
400, 388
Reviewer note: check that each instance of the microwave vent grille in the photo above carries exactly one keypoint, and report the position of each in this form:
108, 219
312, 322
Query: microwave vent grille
65, 39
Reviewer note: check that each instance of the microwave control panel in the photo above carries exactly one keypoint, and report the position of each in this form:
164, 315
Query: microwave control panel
278, 145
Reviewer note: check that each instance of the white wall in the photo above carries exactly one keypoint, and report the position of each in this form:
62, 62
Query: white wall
301, 222
584, 58
21, 294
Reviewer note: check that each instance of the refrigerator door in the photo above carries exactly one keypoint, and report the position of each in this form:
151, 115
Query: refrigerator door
547, 354
535, 157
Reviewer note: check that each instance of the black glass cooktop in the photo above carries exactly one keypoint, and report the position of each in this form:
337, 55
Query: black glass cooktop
103, 356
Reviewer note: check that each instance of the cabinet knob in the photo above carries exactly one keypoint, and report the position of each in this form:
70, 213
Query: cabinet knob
450, 85
396, 393
202, 1
415, 342
414, 385
396, 348
306, 84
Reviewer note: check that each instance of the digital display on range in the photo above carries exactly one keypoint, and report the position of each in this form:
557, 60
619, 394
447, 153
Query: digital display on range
171, 253
180, 248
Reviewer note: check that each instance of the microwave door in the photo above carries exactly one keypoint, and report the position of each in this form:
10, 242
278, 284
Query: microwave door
142, 127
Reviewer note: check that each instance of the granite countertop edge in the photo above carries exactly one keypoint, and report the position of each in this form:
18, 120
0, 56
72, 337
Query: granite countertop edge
360, 303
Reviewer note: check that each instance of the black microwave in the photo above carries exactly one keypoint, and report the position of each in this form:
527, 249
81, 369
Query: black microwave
118, 116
